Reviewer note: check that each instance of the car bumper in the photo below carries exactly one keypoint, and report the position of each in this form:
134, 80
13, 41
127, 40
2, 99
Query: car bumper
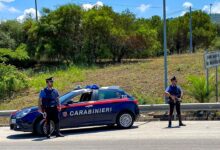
19, 125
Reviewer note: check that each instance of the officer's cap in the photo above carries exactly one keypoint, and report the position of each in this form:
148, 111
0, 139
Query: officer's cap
173, 78
49, 79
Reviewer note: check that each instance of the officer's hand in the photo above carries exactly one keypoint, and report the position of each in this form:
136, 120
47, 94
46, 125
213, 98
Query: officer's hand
173, 97
40, 110
59, 108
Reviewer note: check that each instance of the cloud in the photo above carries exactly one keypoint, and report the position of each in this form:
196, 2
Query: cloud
7, 1
143, 7
13, 10
28, 13
215, 8
186, 5
90, 6
2, 6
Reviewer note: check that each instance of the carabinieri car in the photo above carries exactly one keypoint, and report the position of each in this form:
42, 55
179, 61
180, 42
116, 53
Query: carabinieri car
83, 107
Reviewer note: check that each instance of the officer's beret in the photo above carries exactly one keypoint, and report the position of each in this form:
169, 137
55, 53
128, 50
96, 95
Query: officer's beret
49, 79
173, 78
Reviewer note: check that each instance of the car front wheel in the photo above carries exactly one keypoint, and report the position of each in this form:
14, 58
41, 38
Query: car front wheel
41, 127
125, 120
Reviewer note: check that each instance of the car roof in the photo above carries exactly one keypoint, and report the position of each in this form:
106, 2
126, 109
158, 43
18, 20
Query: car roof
116, 88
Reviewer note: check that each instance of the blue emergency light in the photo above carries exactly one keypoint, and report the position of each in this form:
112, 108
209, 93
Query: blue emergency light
93, 87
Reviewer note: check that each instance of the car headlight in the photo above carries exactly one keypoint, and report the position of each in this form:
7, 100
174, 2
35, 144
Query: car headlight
23, 113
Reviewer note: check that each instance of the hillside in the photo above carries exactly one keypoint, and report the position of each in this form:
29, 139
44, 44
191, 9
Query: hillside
143, 79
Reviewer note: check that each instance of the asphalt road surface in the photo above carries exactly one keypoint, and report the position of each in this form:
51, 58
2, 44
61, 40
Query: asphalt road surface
197, 135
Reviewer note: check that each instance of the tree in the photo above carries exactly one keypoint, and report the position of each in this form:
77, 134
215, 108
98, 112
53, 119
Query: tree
10, 34
204, 32
97, 23
58, 33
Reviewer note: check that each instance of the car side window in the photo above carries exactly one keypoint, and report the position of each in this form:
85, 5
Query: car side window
108, 94
84, 97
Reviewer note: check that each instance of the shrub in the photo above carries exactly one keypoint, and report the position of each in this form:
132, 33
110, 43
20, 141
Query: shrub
8, 55
11, 80
198, 88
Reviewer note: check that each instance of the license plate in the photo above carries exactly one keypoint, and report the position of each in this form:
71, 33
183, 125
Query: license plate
13, 121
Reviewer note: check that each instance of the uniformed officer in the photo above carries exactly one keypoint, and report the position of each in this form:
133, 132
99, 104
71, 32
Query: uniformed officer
49, 104
174, 94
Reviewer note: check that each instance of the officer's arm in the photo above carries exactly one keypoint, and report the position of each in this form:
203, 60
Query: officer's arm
181, 91
58, 102
167, 94
40, 105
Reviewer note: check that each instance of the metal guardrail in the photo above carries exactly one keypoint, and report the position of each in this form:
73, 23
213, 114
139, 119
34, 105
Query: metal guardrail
155, 108
184, 107
6, 113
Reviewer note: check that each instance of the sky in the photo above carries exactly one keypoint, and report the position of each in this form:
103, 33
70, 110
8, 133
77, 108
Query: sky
18, 9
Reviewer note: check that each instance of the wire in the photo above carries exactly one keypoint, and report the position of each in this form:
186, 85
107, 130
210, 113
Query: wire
175, 12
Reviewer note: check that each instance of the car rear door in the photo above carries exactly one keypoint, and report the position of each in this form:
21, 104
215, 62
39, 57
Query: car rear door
77, 114
106, 106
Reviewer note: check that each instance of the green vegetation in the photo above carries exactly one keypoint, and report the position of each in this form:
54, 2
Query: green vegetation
143, 79
198, 88
70, 36
63, 77
11, 80
20, 54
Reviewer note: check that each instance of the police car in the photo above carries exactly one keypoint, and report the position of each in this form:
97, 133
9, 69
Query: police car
83, 107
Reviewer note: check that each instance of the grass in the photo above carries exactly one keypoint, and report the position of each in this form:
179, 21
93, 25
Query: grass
63, 77
144, 80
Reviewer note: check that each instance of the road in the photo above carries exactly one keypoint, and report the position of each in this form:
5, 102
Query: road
197, 135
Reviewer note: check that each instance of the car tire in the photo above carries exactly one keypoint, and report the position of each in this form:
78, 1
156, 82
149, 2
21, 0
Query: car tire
125, 120
41, 127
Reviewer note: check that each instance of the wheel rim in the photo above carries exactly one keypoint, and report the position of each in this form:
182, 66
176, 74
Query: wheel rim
52, 127
125, 120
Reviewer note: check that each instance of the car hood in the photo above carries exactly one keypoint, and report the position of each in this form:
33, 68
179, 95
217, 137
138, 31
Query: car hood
33, 109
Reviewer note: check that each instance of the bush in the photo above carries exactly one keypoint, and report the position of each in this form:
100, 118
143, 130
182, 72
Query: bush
11, 81
198, 88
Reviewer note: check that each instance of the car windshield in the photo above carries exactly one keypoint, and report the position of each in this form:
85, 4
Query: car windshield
72, 94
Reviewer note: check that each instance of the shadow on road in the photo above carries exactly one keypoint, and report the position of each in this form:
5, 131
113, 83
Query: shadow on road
71, 131
171, 127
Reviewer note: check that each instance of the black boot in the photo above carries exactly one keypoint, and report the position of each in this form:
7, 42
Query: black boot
180, 121
170, 122
57, 129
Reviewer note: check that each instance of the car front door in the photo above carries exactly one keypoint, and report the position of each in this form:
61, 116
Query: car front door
78, 112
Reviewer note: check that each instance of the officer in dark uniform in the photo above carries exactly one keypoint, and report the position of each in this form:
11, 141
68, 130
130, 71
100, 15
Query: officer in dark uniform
174, 94
49, 104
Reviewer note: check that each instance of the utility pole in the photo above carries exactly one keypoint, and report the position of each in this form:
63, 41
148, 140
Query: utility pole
210, 11
207, 70
190, 28
216, 80
216, 68
36, 10
165, 43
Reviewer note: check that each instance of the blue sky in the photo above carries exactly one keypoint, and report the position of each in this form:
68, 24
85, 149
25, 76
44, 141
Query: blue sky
17, 9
